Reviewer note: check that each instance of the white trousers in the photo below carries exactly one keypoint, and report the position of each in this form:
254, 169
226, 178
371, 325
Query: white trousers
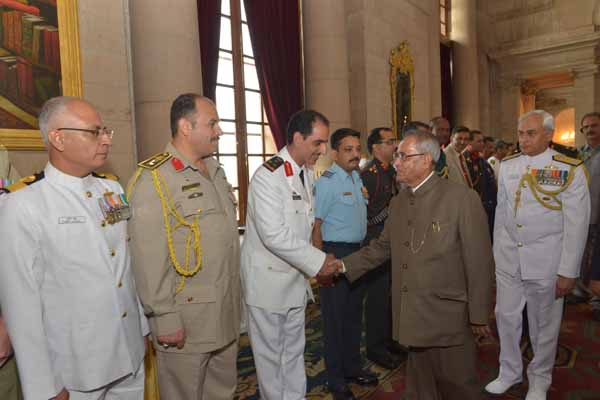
277, 340
544, 315
130, 387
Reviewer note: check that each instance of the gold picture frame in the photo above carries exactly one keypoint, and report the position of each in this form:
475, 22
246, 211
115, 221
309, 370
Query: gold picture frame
70, 76
401, 82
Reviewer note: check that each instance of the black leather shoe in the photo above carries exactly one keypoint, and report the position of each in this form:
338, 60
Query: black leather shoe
385, 360
574, 299
342, 393
396, 348
364, 379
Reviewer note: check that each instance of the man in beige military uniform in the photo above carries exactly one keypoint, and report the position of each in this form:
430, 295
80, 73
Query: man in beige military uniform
185, 250
9, 379
442, 270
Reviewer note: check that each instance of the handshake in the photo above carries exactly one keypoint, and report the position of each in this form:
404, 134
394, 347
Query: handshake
330, 269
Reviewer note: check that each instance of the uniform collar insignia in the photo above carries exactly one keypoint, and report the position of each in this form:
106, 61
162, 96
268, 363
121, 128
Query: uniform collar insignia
177, 164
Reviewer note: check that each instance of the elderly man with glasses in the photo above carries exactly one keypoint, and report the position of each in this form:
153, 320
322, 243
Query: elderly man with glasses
442, 269
66, 286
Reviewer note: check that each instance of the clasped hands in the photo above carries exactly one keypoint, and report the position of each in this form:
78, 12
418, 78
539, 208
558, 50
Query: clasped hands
330, 269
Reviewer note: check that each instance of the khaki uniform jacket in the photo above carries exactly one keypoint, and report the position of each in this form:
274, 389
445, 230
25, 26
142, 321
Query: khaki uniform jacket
208, 307
442, 265
456, 166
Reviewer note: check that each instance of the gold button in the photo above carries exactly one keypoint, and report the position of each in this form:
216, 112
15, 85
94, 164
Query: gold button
519, 226
124, 315
199, 210
519, 244
120, 284
103, 223
113, 253
190, 299
88, 193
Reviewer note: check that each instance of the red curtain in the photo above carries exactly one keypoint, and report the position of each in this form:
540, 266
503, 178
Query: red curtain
274, 27
446, 72
209, 27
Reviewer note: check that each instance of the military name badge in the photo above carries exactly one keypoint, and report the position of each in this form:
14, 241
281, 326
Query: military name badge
551, 177
115, 207
296, 196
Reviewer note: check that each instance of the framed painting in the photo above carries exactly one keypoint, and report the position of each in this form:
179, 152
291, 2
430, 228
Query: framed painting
39, 59
402, 86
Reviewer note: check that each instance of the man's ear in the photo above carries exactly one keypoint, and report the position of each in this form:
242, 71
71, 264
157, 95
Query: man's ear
297, 139
56, 139
184, 126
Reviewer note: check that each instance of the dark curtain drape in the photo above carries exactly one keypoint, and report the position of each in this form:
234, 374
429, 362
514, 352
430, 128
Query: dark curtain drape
209, 27
446, 71
274, 27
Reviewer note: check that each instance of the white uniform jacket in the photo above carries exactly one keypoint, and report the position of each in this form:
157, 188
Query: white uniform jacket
277, 256
66, 286
540, 241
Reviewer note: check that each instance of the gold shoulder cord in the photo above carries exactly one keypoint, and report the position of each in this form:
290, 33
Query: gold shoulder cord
194, 229
536, 189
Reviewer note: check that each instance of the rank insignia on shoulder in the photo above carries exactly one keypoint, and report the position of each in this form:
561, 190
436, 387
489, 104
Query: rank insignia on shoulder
567, 160
273, 163
327, 174
103, 175
23, 182
492, 162
155, 161
511, 156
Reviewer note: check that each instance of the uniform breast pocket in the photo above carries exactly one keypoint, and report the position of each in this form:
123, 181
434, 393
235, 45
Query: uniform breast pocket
196, 205
347, 199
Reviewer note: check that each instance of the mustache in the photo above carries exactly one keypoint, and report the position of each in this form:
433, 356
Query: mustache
354, 159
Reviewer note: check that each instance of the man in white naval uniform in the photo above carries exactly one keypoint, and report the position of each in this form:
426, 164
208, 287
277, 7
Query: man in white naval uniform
278, 258
66, 287
539, 237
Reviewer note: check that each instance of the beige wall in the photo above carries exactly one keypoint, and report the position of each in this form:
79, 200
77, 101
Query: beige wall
528, 38
166, 63
347, 46
107, 83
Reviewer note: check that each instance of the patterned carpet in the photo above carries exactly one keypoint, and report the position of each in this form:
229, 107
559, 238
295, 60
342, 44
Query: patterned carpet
576, 376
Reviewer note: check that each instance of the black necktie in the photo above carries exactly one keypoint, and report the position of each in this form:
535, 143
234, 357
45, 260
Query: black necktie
302, 177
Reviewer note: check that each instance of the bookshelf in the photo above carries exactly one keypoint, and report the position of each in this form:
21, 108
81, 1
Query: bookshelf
29, 53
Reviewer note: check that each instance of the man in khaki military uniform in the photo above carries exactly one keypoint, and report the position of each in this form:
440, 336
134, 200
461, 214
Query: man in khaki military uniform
185, 250
9, 379
442, 269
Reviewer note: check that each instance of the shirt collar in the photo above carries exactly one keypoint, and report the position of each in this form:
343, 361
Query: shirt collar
424, 182
343, 173
211, 164
53, 174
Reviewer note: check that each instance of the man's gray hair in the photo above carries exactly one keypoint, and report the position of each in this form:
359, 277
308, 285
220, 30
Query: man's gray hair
50, 109
547, 119
426, 143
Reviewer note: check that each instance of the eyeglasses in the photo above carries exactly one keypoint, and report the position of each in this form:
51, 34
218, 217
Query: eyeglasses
98, 132
388, 141
587, 127
403, 156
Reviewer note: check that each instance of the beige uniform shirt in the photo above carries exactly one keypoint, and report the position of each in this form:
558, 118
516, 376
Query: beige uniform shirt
7, 171
208, 307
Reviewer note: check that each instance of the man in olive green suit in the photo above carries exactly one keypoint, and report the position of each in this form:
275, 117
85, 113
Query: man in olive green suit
442, 270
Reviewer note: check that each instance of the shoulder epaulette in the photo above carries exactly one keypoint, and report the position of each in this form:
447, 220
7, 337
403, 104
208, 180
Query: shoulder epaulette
327, 174
511, 156
155, 161
273, 163
24, 182
106, 175
567, 160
